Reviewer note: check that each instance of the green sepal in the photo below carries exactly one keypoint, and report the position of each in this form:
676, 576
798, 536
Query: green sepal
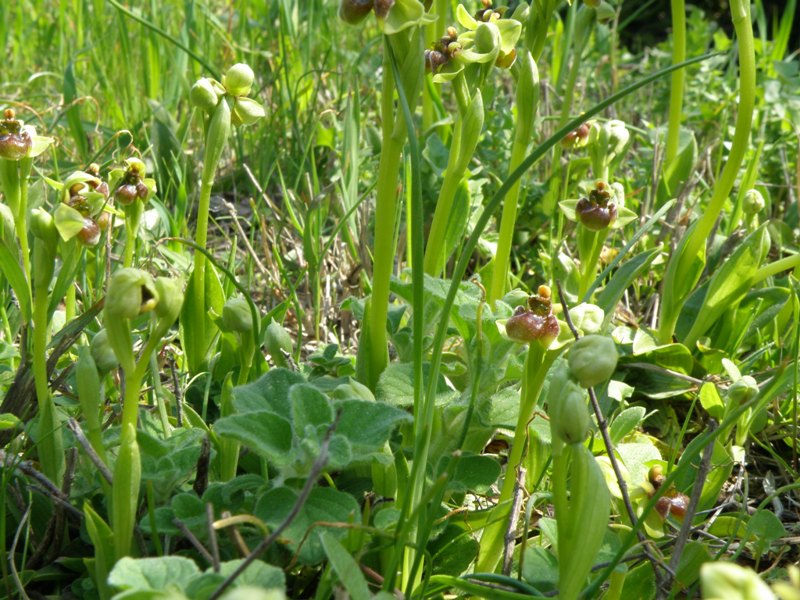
404, 14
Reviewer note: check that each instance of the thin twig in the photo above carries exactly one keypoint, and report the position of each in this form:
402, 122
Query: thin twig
75, 428
602, 425
46, 487
511, 532
316, 469
193, 540
212, 536
178, 395
691, 509
245, 240
23, 524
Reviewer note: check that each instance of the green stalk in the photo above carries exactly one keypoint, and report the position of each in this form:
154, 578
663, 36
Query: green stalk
51, 446
465, 139
594, 243
195, 321
527, 103
128, 468
685, 267
677, 80
373, 354
537, 362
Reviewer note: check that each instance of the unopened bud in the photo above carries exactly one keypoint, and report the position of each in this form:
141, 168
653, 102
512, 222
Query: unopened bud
236, 315
204, 94
103, 353
592, 359
238, 79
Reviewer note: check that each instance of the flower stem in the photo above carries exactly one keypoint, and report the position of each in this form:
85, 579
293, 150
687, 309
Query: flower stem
677, 80
537, 362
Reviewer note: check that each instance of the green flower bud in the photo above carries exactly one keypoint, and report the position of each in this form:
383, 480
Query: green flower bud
170, 300
753, 202
204, 94
277, 341
355, 11
131, 292
103, 354
238, 79
592, 359
236, 316
569, 414
743, 390
246, 111
43, 225
618, 135
588, 318
7, 227
729, 581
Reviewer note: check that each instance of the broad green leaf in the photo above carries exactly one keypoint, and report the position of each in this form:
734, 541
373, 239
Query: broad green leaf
152, 574
323, 505
692, 558
368, 425
345, 567
396, 386
475, 473
540, 568
625, 422
311, 411
711, 401
8, 421
257, 576
263, 431
270, 392
452, 551
763, 529
640, 582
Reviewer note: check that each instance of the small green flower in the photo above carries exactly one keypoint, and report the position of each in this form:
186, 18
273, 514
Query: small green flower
131, 292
